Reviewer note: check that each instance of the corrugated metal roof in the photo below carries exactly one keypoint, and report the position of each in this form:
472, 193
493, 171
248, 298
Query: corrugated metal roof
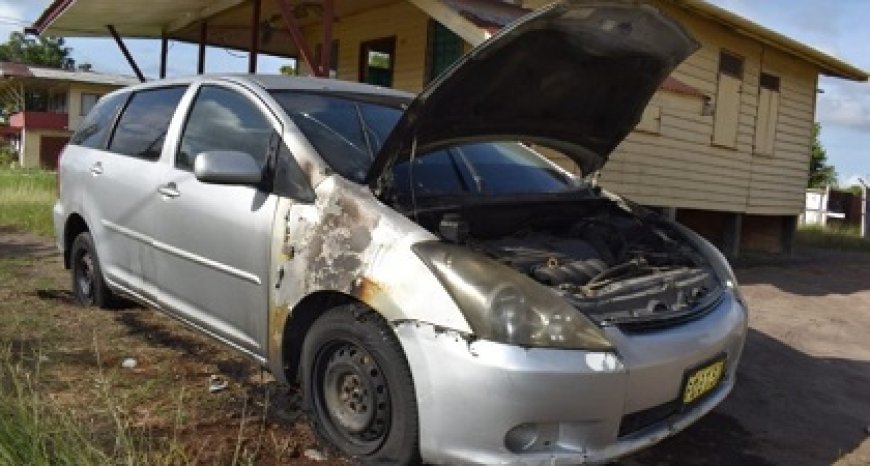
18, 70
491, 15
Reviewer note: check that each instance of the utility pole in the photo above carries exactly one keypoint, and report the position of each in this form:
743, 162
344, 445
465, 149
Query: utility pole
864, 208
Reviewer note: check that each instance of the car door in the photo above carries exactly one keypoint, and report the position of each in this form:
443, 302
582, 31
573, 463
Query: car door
120, 185
213, 240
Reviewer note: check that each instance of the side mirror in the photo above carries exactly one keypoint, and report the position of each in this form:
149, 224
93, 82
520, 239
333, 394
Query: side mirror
227, 167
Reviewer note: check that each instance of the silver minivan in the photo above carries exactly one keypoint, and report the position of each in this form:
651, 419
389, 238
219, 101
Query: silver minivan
442, 292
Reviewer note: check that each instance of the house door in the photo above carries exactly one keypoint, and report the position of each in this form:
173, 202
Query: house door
376, 61
49, 151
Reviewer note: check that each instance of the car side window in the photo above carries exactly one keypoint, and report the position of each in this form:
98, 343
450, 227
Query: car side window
97, 125
141, 130
222, 119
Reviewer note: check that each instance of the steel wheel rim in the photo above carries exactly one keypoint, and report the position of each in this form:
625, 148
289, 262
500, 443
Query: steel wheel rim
351, 395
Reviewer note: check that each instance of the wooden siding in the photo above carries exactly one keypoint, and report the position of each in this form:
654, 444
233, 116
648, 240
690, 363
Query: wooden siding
402, 19
681, 167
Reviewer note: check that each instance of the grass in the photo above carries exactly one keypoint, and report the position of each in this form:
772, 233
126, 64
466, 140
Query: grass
36, 431
26, 199
66, 399
844, 239
32, 430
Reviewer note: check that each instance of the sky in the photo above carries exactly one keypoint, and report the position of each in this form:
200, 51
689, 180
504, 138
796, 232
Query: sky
837, 27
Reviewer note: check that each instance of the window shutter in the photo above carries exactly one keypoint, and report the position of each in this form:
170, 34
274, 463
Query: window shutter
651, 120
768, 111
727, 111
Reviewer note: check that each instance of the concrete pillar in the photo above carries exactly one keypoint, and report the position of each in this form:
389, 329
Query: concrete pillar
865, 210
731, 235
789, 227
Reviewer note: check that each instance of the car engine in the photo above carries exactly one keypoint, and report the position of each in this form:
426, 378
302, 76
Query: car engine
617, 267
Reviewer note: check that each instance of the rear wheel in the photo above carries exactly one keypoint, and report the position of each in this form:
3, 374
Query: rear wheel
88, 285
358, 387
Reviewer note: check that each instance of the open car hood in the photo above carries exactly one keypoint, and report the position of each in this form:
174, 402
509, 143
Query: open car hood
574, 76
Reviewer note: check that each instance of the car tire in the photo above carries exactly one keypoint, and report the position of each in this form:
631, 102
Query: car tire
88, 285
358, 389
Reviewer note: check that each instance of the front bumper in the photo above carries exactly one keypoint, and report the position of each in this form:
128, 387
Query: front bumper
564, 406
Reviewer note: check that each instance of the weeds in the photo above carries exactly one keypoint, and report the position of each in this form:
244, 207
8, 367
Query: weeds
36, 431
26, 199
845, 239
32, 430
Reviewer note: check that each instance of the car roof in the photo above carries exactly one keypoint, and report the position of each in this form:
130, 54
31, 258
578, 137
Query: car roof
272, 82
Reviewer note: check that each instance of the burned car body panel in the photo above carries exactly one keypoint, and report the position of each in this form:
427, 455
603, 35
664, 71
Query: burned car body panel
347, 242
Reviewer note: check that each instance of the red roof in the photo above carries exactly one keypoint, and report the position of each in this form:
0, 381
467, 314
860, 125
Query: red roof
676, 86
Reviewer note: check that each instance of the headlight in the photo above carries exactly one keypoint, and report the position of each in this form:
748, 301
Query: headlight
505, 306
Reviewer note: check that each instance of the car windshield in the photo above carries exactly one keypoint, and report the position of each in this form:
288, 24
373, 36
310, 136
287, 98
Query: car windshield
348, 132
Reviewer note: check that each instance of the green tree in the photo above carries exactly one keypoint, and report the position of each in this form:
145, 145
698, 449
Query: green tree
821, 173
44, 51
288, 70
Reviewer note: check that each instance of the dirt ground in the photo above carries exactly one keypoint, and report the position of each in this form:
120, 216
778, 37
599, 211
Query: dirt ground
802, 398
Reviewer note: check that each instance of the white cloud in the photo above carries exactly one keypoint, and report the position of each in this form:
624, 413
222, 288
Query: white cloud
844, 103
12, 18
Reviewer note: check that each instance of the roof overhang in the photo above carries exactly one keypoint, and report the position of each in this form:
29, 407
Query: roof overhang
827, 64
20, 72
229, 21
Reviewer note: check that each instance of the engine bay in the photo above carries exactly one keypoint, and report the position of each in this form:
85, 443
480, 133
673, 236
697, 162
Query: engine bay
615, 266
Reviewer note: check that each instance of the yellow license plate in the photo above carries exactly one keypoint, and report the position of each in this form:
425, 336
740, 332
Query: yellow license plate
703, 380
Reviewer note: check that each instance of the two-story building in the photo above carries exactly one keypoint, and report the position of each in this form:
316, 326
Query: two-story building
44, 106
724, 147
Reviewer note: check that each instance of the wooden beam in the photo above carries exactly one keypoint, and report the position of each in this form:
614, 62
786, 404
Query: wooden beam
326, 48
126, 53
203, 37
255, 36
164, 52
452, 20
190, 18
298, 37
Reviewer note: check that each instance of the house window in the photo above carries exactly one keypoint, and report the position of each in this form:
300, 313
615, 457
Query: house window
444, 48
333, 58
377, 60
727, 111
57, 103
88, 102
768, 113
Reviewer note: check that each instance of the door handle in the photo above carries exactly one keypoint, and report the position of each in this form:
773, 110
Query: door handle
169, 190
97, 169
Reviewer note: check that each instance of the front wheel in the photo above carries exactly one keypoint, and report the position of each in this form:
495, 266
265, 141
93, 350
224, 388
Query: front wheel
89, 287
358, 387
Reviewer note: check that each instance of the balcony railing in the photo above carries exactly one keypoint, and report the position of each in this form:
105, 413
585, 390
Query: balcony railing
39, 120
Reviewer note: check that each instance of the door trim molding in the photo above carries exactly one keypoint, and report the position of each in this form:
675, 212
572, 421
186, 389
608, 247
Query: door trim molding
212, 264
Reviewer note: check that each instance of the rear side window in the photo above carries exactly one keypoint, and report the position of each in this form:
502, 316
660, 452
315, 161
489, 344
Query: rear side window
96, 126
222, 119
142, 127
